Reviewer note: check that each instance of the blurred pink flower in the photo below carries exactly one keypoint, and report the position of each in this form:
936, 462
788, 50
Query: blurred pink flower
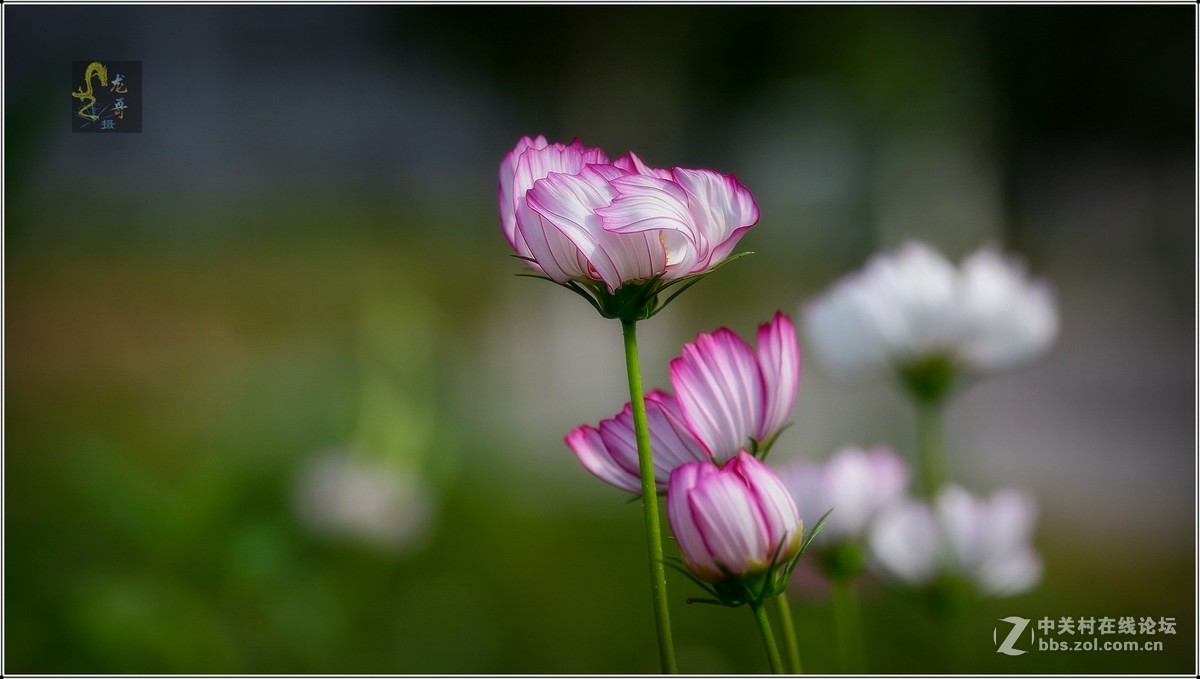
576, 216
732, 397
855, 483
735, 520
610, 452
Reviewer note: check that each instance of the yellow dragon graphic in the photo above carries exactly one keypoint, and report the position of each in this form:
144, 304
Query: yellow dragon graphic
84, 93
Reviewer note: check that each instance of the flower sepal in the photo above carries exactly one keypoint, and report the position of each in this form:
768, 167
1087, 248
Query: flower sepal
759, 449
929, 380
634, 300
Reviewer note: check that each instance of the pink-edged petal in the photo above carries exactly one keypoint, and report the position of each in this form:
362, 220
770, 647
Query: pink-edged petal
587, 445
671, 441
569, 204
778, 509
507, 198
635, 165
719, 388
657, 208
779, 359
647, 203
729, 519
722, 210
544, 243
683, 525
565, 205
621, 441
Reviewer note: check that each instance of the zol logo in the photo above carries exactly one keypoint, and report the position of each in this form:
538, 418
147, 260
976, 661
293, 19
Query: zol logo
1008, 646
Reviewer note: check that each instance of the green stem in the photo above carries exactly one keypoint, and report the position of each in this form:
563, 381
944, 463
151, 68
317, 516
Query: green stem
764, 626
658, 576
846, 622
930, 447
789, 633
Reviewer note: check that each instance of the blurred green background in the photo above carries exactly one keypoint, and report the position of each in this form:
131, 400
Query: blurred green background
275, 402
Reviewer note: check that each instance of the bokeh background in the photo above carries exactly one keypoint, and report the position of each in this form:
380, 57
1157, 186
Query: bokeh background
275, 402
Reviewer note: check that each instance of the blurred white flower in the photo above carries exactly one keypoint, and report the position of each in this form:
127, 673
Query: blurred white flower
1007, 320
855, 483
913, 305
984, 540
341, 494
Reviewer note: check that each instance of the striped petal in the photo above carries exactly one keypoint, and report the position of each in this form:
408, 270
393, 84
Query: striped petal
691, 542
651, 205
588, 446
722, 211
567, 204
532, 165
720, 392
507, 194
728, 517
779, 359
634, 165
610, 452
670, 439
775, 503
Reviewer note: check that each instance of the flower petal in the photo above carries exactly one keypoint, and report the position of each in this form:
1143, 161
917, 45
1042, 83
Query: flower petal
507, 197
780, 516
657, 207
860, 483
683, 525
1016, 572
779, 359
545, 244
722, 210
586, 443
631, 163
720, 392
1009, 319
729, 519
568, 203
904, 542
670, 439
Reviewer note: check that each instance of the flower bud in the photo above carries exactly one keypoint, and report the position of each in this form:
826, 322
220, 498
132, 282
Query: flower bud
733, 521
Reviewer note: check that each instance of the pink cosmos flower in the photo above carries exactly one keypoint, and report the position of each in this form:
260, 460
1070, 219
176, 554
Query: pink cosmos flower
610, 451
577, 216
753, 403
735, 520
733, 397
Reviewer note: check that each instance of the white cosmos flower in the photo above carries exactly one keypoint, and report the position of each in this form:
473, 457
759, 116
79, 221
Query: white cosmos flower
913, 304
985, 540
